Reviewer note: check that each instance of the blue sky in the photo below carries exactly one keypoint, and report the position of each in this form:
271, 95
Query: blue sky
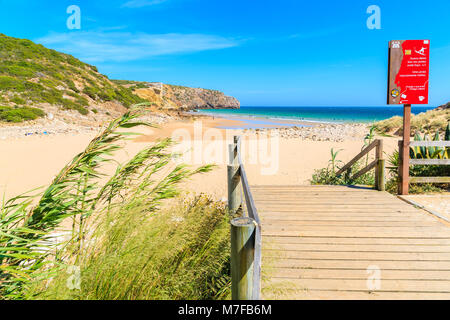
282, 52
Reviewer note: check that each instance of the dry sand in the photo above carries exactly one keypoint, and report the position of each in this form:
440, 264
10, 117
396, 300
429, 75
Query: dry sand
30, 162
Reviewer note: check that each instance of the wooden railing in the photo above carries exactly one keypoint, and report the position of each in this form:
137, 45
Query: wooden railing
378, 164
405, 179
245, 231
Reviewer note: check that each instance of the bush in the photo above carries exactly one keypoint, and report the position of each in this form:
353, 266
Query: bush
20, 114
18, 100
328, 176
421, 170
141, 257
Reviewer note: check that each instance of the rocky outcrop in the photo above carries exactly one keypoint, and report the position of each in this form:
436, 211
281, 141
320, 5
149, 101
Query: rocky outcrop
444, 106
173, 97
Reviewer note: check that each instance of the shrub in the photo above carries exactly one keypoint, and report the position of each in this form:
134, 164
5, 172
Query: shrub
18, 100
20, 114
421, 170
8, 83
138, 256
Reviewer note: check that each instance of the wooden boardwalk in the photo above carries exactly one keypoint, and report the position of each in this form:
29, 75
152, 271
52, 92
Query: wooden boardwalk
319, 241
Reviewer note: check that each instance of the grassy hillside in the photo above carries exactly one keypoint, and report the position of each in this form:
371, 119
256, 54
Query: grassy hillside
34, 76
425, 122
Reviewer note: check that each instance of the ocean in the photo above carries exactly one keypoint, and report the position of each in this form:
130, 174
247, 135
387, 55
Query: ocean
317, 114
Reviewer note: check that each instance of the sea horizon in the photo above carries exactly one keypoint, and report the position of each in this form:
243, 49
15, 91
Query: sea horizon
327, 114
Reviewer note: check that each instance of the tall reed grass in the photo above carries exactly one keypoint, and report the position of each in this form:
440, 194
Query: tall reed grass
30, 251
180, 253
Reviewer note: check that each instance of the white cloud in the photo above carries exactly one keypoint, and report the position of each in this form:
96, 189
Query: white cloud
141, 3
96, 46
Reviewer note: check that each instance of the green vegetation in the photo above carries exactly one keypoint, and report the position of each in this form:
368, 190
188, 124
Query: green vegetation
422, 170
133, 85
125, 238
31, 73
328, 175
182, 253
425, 122
19, 114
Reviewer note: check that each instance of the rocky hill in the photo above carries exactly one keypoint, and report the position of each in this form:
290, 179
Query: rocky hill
444, 106
172, 97
34, 77
36, 82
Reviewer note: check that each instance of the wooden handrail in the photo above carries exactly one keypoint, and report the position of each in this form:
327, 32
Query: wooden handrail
429, 144
378, 164
365, 151
407, 179
245, 239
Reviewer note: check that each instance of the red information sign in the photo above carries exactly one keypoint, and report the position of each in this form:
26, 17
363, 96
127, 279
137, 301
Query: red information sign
409, 62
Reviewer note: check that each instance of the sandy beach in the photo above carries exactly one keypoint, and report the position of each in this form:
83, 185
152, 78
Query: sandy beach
281, 154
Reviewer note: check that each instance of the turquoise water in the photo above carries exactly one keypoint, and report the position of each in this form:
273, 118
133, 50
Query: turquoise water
321, 114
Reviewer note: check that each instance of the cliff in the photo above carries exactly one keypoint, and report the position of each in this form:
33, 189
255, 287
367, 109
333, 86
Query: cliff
444, 106
172, 97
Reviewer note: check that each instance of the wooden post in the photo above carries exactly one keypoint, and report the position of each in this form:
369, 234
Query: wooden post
234, 179
242, 255
381, 177
404, 182
379, 169
400, 165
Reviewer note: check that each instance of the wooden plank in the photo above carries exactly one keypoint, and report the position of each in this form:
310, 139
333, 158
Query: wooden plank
361, 284
354, 264
356, 233
360, 255
345, 223
350, 202
350, 219
341, 212
317, 206
429, 144
387, 242
352, 230
429, 180
429, 162
355, 247
362, 274
288, 294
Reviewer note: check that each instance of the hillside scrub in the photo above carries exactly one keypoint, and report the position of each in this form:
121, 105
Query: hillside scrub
122, 223
19, 114
425, 122
37, 75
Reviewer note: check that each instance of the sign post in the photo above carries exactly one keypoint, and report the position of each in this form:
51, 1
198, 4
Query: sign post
409, 62
404, 181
